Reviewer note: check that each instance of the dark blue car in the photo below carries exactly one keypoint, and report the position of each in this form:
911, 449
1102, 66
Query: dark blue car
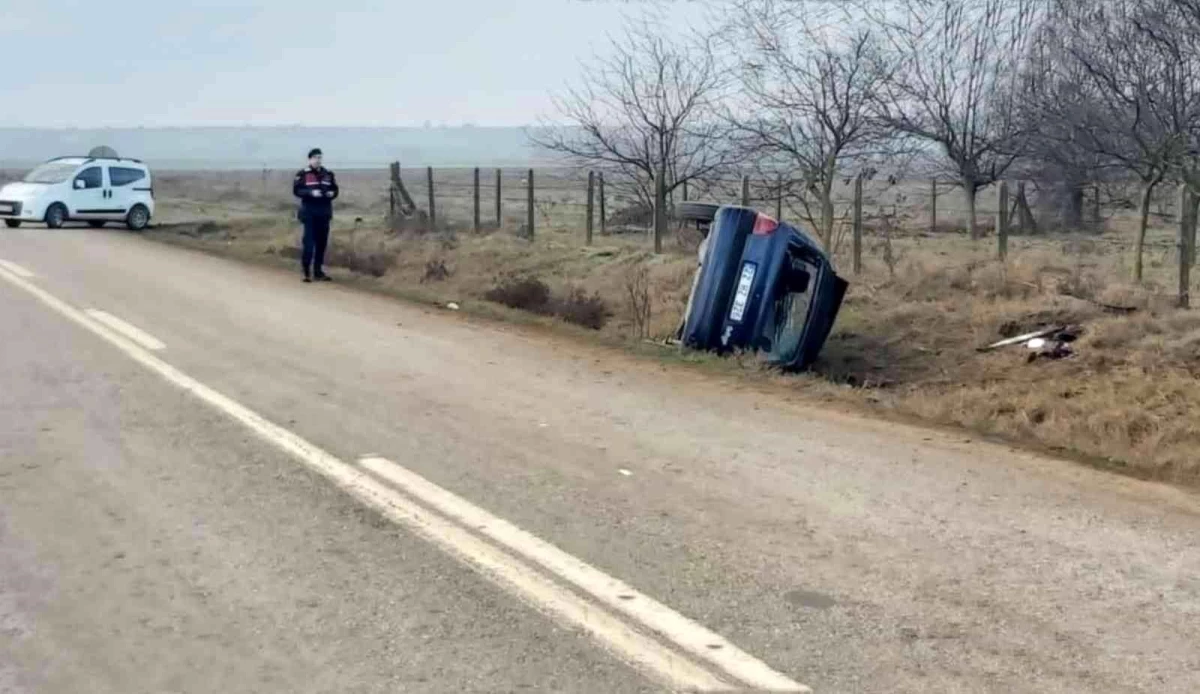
762, 285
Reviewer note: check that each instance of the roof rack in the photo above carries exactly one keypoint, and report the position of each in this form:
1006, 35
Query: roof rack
88, 160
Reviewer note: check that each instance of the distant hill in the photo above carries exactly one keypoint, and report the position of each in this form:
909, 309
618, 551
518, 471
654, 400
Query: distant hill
275, 147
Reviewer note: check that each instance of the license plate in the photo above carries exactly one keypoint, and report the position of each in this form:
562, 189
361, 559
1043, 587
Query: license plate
742, 297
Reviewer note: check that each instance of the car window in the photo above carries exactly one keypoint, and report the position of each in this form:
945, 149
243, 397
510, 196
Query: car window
91, 177
52, 172
123, 176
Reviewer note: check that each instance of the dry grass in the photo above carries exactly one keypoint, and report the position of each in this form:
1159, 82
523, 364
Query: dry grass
906, 340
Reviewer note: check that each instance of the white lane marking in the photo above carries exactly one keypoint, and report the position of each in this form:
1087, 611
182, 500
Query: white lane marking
644, 653
128, 330
16, 269
676, 628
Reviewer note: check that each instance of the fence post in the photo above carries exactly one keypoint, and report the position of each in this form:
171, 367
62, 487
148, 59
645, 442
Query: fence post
603, 220
745, 191
933, 205
529, 192
779, 197
394, 174
1002, 219
499, 219
432, 211
1022, 220
858, 223
476, 199
1096, 206
591, 203
1185, 255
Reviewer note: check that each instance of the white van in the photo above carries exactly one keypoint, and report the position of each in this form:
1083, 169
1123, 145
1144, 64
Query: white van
86, 189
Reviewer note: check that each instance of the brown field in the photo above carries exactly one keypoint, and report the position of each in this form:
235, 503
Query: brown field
905, 342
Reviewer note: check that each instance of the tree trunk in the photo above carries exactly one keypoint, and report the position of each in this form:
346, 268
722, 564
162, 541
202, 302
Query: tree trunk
660, 207
1143, 222
827, 214
1074, 215
969, 190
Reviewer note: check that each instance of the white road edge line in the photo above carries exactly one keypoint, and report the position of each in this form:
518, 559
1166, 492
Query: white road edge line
673, 626
130, 331
641, 651
16, 270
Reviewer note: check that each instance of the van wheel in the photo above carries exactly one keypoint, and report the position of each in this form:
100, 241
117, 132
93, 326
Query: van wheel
138, 219
56, 215
96, 223
12, 223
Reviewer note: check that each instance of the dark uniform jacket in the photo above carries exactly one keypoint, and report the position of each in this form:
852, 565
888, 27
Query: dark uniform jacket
309, 179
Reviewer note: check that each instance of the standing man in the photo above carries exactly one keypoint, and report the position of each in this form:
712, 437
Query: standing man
317, 188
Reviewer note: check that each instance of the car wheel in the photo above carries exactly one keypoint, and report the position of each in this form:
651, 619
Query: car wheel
96, 223
138, 219
56, 215
12, 223
697, 211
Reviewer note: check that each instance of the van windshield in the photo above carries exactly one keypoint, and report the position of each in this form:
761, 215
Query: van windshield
52, 172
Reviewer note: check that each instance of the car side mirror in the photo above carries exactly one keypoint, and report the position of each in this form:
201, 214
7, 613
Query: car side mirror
80, 184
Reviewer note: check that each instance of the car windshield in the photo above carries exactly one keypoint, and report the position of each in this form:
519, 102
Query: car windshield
52, 172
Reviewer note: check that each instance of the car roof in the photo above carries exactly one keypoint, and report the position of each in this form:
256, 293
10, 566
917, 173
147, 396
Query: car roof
87, 160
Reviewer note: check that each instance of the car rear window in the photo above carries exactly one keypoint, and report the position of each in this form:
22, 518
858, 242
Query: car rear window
123, 176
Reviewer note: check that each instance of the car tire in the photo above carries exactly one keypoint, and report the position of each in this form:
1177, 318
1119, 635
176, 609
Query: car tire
12, 223
138, 218
96, 223
56, 216
697, 211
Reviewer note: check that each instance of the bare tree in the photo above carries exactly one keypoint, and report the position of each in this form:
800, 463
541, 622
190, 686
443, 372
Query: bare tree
1124, 77
809, 80
958, 63
647, 113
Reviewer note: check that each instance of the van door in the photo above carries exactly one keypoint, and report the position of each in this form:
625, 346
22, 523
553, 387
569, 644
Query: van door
88, 199
128, 186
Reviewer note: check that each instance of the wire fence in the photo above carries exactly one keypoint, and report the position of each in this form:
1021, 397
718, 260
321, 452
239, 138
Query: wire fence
555, 203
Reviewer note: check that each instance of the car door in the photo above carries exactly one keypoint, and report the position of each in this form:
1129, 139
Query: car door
89, 199
126, 184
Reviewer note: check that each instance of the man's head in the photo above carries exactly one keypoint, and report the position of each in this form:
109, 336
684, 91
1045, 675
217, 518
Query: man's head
314, 158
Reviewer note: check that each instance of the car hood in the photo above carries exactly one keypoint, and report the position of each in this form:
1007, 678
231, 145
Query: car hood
22, 191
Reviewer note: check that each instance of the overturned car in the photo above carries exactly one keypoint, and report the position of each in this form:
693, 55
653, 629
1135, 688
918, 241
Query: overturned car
762, 285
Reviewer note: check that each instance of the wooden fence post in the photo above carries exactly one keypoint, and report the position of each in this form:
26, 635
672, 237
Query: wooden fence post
1002, 219
477, 225
529, 191
858, 223
432, 200
933, 205
1185, 255
394, 175
591, 204
603, 219
499, 209
1022, 218
745, 191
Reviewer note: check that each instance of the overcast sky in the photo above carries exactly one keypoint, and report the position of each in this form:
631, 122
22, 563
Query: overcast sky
270, 62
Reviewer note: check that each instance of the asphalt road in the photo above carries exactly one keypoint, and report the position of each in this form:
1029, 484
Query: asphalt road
216, 478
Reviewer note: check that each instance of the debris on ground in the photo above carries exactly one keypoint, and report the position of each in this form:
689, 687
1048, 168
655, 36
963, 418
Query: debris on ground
1046, 343
1022, 339
452, 306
